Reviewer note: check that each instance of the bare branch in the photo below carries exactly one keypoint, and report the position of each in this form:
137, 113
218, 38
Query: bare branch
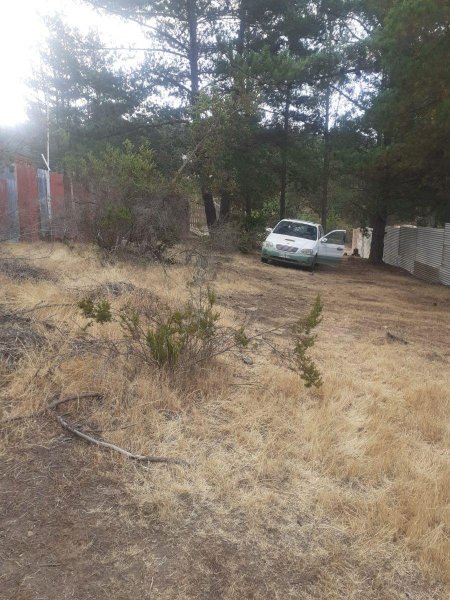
347, 96
130, 49
51, 406
102, 444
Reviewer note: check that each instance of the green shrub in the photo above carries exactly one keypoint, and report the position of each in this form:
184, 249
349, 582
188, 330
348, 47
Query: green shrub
113, 226
192, 335
100, 312
304, 340
169, 338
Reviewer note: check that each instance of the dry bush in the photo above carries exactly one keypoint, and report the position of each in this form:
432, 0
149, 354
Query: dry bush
19, 334
224, 237
232, 236
133, 205
147, 227
21, 269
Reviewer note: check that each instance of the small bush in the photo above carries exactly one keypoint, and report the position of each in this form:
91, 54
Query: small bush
192, 335
304, 340
100, 312
170, 339
183, 336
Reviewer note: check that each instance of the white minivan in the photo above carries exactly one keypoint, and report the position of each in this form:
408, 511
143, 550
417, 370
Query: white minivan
303, 243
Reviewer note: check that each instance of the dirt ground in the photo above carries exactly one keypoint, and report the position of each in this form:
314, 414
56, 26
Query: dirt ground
73, 526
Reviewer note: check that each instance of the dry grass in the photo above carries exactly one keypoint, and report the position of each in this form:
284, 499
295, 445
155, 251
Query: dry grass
337, 493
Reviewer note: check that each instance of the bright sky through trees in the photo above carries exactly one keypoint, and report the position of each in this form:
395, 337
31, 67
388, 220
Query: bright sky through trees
23, 34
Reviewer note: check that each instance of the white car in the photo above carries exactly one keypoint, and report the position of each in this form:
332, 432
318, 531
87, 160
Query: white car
303, 243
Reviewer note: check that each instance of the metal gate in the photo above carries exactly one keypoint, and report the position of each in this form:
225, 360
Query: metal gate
10, 230
44, 206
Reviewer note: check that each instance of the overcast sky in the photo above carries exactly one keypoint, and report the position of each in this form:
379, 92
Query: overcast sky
22, 35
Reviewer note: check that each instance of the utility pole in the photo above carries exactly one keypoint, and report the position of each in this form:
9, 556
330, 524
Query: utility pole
47, 164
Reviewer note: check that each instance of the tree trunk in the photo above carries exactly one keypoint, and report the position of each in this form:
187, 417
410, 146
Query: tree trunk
210, 209
225, 205
248, 205
377, 245
284, 154
240, 46
192, 18
193, 49
326, 161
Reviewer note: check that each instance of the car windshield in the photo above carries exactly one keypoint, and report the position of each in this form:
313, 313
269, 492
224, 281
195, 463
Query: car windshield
298, 230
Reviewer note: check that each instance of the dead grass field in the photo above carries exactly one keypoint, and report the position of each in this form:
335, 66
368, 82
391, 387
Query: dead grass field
337, 493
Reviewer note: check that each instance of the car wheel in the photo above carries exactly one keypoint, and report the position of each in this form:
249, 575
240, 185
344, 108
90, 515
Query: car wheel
312, 266
264, 259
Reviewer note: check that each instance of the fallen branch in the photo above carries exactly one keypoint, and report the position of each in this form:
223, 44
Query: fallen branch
102, 444
51, 406
85, 396
58, 401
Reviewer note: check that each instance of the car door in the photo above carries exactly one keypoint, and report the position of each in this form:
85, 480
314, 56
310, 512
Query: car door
331, 248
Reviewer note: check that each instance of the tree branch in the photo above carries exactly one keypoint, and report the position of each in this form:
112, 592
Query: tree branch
349, 98
131, 49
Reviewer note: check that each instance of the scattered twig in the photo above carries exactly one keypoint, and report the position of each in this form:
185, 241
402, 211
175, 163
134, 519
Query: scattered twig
41, 306
9, 420
102, 444
113, 429
396, 338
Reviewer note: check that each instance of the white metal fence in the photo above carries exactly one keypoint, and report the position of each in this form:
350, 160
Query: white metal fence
423, 251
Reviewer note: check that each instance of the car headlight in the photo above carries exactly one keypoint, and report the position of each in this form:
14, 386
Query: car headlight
269, 245
307, 251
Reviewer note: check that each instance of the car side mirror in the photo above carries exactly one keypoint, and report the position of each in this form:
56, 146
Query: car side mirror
269, 229
323, 240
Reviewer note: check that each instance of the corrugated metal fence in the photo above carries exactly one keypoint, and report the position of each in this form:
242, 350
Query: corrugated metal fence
33, 204
9, 210
423, 251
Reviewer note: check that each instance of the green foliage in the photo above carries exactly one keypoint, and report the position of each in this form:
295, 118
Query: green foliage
304, 340
113, 226
241, 338
87, 94
189, 331
261, 126
116, 214
128, 171
98, 312
184, 336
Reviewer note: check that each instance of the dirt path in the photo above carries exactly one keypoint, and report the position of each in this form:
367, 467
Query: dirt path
63, 525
